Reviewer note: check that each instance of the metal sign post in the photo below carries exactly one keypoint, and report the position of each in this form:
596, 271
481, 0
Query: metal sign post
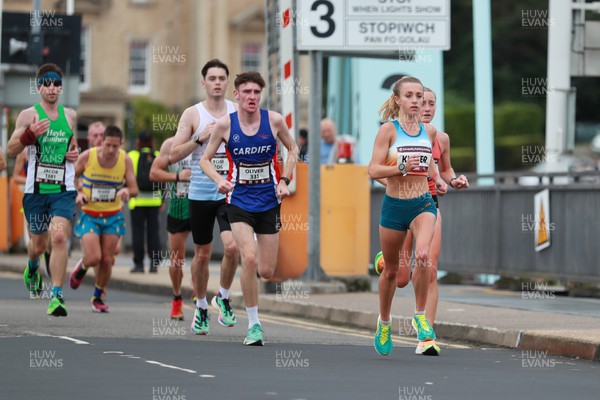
314, 270
361, 28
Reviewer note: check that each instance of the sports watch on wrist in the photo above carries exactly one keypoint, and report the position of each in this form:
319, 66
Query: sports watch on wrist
196, 138
286, 180
402, 168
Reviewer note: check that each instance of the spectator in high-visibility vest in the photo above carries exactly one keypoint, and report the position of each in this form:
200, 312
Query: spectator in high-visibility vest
145, 207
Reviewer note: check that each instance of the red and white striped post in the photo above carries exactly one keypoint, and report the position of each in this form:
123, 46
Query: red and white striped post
287, 74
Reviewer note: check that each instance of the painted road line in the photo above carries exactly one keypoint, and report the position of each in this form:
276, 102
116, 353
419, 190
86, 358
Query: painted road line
76, 341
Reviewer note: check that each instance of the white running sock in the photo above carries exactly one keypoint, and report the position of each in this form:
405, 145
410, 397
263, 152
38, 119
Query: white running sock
224, 292
201, 303
252, 316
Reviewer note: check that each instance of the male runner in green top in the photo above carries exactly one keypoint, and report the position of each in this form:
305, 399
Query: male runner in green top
47, 131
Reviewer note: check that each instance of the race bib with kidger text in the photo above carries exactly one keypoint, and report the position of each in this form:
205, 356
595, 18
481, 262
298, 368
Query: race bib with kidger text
424, 153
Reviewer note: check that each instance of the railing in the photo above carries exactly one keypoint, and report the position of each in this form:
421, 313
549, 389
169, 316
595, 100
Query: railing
490, 227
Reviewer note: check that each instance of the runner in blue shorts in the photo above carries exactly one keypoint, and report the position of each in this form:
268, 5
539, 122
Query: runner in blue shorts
403, 154
101, 223
95, 135
46, 130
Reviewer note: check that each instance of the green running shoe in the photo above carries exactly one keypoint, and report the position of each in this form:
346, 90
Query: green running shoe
383, 338
424, 330
200, 324
33, 280
254, 336
379, 263
57, 307
226, 316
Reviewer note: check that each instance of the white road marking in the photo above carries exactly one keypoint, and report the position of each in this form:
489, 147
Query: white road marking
131, 356
171, 366
76, 341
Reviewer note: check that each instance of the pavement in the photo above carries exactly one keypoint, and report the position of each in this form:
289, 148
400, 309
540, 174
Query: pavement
529, 320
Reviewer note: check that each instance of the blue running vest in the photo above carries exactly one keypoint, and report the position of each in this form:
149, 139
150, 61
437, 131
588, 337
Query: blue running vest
252, 166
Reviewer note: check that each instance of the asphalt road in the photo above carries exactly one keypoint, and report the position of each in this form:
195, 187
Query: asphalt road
136, 352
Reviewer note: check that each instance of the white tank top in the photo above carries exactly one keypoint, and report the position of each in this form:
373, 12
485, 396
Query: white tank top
201, 186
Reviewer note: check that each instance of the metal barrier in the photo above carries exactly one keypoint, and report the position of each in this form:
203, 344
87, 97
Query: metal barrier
490, 229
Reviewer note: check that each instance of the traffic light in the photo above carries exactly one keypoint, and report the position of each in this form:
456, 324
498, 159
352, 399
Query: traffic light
40, 37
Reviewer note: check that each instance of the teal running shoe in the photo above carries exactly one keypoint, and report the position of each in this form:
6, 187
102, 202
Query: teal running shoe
424, 329
383, 338
254, 336
226, 316
200, 324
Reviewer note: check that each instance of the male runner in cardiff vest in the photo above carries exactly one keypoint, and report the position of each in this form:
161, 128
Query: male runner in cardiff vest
254, 191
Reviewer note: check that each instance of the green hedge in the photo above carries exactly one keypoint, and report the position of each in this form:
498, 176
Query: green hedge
460, 124
154, 117
463, 158
516, 126
517, 151
517, 119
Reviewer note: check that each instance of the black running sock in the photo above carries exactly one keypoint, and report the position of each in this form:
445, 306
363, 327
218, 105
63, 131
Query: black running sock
47, 260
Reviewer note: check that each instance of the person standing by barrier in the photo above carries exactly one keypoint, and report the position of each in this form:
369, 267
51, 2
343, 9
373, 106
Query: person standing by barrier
47, 131
206, 203
403, 154
144, 209
328, 141
101, 223
177, 176
254, 189
303, 145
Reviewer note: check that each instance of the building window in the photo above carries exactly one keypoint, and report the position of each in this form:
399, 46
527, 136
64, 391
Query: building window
85, 58
251, 56
139, 68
